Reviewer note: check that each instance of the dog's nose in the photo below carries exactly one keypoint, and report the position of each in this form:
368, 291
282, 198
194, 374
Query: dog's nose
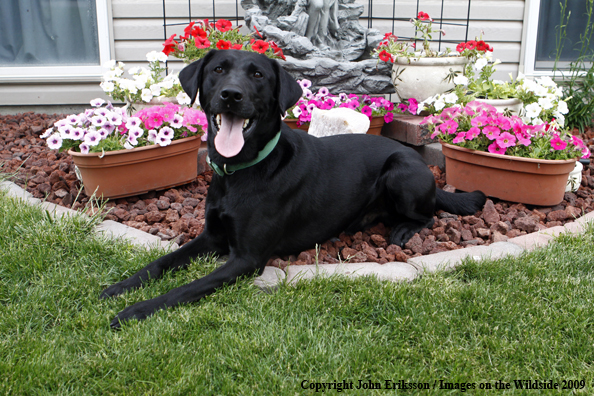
231, 95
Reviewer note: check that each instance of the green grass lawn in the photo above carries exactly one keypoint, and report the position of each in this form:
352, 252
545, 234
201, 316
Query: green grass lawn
527, 318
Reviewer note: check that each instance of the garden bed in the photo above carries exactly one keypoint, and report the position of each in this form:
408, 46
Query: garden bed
178, 214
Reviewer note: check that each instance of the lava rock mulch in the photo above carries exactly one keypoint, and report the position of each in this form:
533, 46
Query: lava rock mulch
177, 214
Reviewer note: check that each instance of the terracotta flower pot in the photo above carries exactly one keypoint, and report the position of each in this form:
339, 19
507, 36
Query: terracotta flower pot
375, 126
124, 173
292, 123
421, 78
516, 179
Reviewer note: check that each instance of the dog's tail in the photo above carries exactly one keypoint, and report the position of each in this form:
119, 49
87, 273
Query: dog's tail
463, 204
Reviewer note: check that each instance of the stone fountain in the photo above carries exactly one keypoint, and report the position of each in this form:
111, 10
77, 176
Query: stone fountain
323, 42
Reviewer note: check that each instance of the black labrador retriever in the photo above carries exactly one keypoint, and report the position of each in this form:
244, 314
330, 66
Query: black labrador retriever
279, 191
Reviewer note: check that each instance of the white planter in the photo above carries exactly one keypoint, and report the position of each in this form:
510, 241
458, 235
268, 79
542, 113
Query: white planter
513, 105
421, 78
575, 178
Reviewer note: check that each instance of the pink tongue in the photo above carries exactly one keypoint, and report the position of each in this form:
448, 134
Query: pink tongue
229, 139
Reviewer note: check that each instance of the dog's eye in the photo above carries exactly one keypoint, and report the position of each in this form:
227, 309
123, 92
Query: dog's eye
218, 69
258, 74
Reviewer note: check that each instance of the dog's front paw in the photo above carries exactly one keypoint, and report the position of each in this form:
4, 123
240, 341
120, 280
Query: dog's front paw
138, 311
113, 290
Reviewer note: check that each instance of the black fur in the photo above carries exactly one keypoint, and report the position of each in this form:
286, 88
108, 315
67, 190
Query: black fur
306, 191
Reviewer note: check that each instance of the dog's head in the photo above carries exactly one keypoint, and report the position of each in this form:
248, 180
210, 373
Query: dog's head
243, 95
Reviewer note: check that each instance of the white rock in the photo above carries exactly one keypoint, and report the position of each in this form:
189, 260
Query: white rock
337, 121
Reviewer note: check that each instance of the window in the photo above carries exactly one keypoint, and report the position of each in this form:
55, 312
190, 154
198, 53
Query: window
53, 40
543, 18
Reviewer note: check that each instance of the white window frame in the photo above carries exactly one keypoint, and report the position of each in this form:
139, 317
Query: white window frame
90, 73
531, 14
530, 35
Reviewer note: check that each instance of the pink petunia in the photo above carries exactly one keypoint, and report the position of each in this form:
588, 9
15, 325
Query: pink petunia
459, 138
388, 117
450, 127
413, 106
558, 144
523, 139
473, 133
367, 111
495, 149
480, 121
506, 139
491, 132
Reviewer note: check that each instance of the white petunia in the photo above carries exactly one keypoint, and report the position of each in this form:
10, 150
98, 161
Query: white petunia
97, 102
84, 148
177, 121
98, 120
545, 103
107, 86
92, 138
167, 84
152, 135
183, 98
54, 142
450, 98
533, 110
562, 107
155, 89
47, 133
109, 64
133, 122
146, 95
480, 63
162, 140
297, 112
136, 132
155, 56
439, 104
461, 80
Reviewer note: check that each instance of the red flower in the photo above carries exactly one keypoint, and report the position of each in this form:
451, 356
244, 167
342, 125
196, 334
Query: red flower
258, 32
237, 46
423, 16
223, 25
481, 46
461, 47
188, 29
223, 45
471, 45
169, 45
198, 32
277, 50
385, 56
260, 46
202, 42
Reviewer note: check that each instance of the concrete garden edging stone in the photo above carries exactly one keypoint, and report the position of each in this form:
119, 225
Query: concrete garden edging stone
393, 271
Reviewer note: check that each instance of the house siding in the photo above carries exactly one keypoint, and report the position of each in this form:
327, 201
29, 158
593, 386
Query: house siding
137, 28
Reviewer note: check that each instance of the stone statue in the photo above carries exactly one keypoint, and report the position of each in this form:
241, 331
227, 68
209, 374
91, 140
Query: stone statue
318, 36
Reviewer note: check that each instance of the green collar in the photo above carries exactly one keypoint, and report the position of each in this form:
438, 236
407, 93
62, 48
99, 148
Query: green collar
229, 170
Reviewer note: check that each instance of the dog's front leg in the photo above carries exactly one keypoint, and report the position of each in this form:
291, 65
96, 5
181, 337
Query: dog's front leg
205, 243
194, 291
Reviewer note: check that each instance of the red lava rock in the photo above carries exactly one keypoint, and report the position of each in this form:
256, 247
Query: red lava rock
415, 244
528, 224
557, 215
500, 227
154, 217
490, 214
499, 237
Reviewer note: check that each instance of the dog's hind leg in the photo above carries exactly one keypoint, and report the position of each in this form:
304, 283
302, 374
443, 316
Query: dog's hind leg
211, 240
227, 274
409, 190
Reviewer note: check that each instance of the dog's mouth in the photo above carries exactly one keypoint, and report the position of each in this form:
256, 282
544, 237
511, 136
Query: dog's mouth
231, 130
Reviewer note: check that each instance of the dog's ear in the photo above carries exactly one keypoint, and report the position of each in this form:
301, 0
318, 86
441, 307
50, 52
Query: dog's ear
191, 76
288, 91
